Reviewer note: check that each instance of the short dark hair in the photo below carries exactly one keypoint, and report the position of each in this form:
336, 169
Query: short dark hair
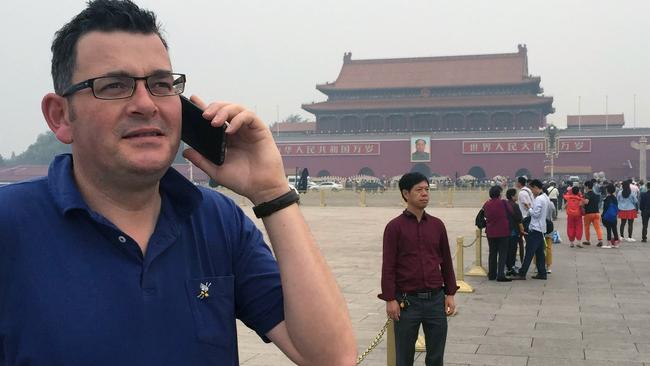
536, 183
522, 180
423, 140
511, 192
495, 192
647, 185
99, 15
575, 190
610, 188
589, 184
408, 180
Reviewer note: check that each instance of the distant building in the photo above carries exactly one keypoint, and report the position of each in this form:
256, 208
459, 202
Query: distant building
450, 93
479, 114
595, 121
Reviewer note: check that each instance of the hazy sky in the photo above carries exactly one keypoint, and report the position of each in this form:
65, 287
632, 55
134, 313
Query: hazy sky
269, 55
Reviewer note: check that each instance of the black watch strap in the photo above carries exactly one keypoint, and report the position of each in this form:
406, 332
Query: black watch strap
267, 208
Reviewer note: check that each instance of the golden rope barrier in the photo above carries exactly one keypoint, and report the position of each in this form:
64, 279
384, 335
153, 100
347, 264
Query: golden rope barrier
478, 270
460, 276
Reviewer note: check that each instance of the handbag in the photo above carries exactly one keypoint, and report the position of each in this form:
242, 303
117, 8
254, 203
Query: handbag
480, 221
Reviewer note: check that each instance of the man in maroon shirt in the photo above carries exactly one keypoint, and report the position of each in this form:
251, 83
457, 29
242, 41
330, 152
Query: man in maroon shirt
417, 277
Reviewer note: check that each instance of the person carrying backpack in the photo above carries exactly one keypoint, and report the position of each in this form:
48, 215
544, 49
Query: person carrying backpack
610, 211
574, 203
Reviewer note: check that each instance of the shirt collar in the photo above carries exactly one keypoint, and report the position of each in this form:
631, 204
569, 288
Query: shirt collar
408, 213
184, 196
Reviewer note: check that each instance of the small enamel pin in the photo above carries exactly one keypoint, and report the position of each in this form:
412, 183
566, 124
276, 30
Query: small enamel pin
205, 290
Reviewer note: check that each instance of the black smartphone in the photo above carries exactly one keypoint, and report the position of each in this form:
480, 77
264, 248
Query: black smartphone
197, 132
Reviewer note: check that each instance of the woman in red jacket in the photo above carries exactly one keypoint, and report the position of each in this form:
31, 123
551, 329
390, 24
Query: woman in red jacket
574, 203
498, 215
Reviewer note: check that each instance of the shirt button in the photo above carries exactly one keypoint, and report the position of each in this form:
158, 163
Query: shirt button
122, 239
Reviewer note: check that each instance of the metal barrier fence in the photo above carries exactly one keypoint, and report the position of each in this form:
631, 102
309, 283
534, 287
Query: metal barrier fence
450, 197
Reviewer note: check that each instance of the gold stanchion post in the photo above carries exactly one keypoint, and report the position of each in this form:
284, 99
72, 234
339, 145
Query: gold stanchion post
460, 276
322, 198
391, 360
478, 270
450, 198
362, 198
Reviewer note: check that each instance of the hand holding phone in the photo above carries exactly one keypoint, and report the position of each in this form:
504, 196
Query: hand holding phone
197, 132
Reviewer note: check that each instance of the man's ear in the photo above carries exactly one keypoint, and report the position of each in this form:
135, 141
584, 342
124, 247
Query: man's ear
55, 111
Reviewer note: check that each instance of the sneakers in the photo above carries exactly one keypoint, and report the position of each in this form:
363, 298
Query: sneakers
579, 245
571, 245
631, 240
600, 244
586, 243
606, 247
538, 277
644, 240
548, 270
616, 243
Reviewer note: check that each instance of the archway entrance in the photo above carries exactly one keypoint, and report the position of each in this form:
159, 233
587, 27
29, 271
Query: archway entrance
523, 172
421, 168
477, 172
366, 171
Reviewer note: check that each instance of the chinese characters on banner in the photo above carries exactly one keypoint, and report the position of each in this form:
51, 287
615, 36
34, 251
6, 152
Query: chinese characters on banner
328, 149
523, 146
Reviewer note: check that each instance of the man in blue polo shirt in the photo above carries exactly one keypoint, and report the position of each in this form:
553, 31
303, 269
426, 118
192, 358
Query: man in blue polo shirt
115, 259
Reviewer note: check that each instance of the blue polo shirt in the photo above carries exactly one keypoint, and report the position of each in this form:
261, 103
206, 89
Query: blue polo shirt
76, 290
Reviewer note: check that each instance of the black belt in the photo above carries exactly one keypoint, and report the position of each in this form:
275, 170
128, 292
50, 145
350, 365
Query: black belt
424, 294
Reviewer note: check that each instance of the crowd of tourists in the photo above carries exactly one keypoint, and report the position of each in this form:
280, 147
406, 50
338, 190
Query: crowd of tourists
522, 223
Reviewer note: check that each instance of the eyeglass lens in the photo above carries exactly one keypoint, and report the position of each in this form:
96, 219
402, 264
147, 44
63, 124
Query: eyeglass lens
116, 87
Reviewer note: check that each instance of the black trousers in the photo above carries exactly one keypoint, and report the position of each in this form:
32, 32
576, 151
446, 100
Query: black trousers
511, 258
629, 228
430, 312
497, 258
644, 220
612, 234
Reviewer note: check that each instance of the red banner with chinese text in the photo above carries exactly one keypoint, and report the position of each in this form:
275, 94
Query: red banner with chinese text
524, 146
329, 149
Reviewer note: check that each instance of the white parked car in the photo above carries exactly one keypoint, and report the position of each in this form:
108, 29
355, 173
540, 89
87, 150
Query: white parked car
330, 186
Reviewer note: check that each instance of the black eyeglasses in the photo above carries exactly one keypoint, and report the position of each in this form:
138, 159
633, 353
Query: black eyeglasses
122, 87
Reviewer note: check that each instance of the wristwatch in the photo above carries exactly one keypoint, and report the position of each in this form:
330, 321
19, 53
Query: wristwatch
265, 209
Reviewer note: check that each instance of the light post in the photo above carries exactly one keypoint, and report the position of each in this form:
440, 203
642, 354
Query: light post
551, 143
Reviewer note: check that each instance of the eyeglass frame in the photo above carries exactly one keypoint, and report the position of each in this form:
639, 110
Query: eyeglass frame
88, 84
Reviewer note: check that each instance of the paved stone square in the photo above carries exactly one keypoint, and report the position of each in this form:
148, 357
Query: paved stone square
593, 310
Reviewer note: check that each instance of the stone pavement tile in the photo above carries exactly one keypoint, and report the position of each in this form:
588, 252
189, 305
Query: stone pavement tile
643, 347
539, 351
518, 309
555, 327
466, 331
559, 317
640, 331
505, 341
595, 291
460, 347
612, 308
476, 359
549, 310
541, 361
535, 333
621, 355
589, 318
597, 336
505, 319
635, 308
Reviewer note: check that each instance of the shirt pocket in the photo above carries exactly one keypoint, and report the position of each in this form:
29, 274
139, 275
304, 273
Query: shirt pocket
212, 302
